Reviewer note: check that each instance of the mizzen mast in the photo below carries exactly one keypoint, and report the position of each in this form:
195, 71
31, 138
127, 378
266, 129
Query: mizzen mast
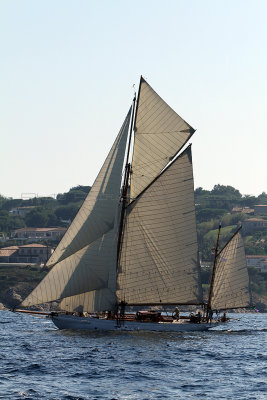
213, 270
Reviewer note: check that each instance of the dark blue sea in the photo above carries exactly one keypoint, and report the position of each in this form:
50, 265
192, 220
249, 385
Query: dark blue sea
37, 361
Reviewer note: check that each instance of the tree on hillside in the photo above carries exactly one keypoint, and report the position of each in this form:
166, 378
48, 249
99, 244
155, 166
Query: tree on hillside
67, 212
248, 201
228, 191
262, 198
200, 191
74, 195
12, 203
9, 223
36, 218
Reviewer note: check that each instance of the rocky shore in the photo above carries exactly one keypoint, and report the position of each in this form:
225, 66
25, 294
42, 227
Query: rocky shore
14, 295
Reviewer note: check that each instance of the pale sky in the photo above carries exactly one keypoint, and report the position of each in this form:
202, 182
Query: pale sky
66, 74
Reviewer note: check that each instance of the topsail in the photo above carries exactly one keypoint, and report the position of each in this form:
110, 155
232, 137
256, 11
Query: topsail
160, 133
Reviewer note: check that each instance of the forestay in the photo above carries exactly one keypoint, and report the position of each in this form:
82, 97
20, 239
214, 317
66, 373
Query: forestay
85, 259
159, 257
160, 133
92, 268
231, 281
96, 216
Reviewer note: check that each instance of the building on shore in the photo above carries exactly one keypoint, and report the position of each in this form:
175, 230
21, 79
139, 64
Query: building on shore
21, 211
254, 224
242, 210
257, 261
260, 209
33, 234
26, 254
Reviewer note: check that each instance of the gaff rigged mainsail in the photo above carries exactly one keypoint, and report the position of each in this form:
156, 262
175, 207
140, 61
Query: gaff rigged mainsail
159, 257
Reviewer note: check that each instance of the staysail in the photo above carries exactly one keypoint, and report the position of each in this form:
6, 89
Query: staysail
159, 257
94, 301
231, 281
85, 259
90, 268
160, 133
96, 216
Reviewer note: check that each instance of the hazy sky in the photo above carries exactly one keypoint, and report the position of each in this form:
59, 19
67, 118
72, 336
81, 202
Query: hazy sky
66, 75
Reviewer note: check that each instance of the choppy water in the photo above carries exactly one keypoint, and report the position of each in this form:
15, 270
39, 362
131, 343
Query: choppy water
37, 361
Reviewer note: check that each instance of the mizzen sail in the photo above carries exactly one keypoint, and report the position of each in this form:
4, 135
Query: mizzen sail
160, 133
159, 257
231, 281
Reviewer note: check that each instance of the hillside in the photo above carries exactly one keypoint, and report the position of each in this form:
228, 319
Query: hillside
223, 204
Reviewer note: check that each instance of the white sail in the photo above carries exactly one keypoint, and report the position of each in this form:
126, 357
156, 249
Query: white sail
159, 134
92, 268
159, 257
95, 301
85, 259
96, 216
231, 281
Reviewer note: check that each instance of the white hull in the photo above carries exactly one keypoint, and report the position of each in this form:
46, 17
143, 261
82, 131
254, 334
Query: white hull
93, 324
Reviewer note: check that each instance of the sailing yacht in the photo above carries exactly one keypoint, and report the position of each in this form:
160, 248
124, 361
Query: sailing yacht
133, 243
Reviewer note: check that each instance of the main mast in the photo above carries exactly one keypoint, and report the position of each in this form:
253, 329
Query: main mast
126, 180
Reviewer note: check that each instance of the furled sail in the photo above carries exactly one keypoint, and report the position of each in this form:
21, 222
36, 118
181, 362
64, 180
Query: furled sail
96, 216
91, 268
231, 281
160, 134
159, 257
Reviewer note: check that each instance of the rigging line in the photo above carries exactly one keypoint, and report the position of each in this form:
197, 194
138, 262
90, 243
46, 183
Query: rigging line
159, 132
213, 272
160, 144
126, 182
230, 239
160, 98
160, 174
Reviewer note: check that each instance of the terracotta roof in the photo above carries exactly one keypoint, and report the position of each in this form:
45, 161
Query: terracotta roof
7, 252
256, 220
32, 245
257, 256
39, 229
10, 248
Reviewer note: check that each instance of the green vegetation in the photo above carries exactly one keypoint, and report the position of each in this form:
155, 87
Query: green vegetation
213, 207
258, 281
47, 211
21, 278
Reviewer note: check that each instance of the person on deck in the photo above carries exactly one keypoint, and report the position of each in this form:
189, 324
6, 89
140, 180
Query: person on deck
210, 315
176, 313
